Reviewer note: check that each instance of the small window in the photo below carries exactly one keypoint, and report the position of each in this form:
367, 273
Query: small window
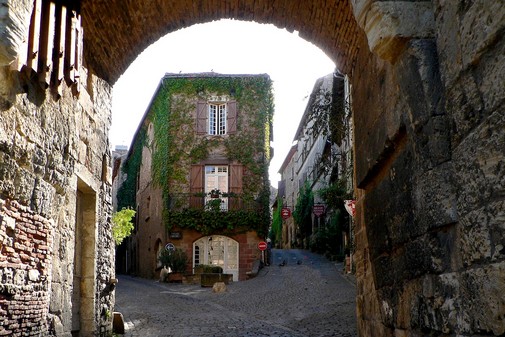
217, 119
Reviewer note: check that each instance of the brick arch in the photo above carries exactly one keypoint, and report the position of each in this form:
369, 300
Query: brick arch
113, 43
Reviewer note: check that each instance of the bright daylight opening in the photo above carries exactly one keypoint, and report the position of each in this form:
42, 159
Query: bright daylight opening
227, 47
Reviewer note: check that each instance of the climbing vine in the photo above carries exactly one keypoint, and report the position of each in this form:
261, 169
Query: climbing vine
176, 146
275, 233
302, 213
127, 191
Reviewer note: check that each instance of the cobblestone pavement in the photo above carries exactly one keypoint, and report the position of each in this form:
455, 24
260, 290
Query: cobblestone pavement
309, 296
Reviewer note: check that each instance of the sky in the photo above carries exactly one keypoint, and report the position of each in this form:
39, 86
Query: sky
226, 47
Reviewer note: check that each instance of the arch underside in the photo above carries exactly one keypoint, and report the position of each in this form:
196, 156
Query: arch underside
114, 41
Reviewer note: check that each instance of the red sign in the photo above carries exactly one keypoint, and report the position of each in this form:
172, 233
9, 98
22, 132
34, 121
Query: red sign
262, 245
285, 213
318, 210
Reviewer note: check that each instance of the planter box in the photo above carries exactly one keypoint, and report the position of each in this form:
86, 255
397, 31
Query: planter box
175, 277
208, 279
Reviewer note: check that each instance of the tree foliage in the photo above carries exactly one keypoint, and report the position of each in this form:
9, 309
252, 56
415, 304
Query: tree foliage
303, 210
122, 224
276, 230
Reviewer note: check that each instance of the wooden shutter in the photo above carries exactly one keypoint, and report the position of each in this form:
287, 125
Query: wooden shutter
196, 186
201, 118
235, 185
231, 117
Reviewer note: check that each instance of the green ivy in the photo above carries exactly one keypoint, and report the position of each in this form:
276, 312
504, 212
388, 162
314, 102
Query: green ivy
127, 191
302, 213
214, 221
335, 194
176, 147
276, 230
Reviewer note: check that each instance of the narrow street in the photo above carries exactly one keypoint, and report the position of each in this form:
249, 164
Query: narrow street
308, 296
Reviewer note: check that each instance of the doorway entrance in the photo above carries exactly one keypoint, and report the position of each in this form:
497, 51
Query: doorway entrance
217, 250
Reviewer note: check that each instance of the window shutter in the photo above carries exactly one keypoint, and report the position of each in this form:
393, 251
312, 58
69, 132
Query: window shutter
201, 118
235, 185
196, 186
232, 117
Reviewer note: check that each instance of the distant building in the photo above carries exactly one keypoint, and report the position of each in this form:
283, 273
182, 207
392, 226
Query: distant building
197, 173
287, 193
320, 160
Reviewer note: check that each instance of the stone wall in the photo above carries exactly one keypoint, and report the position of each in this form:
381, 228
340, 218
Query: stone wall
26, 241
428, 102
430, 199
53, 155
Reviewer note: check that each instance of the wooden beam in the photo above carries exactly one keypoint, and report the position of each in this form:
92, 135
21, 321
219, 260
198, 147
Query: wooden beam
59, 57
46, 44
70, 44
32, 57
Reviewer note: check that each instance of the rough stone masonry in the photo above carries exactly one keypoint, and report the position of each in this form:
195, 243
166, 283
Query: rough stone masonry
428, 99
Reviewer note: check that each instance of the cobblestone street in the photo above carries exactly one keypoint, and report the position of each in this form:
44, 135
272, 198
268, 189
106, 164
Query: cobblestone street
309, 296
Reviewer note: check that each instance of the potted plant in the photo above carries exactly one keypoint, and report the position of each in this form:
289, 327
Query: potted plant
215, 193
177, 261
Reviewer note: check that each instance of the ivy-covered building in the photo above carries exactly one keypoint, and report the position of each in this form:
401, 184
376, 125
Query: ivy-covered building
197, 173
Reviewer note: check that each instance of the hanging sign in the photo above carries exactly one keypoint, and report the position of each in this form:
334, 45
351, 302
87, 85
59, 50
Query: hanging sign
285, 213
350, 207
318, 210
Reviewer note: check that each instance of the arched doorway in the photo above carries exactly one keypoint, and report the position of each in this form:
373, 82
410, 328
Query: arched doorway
217, 250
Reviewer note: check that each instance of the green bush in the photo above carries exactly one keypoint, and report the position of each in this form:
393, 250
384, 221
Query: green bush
122, 224
176, 260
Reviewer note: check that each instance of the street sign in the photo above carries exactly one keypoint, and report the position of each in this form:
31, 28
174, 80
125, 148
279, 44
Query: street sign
318, 210
262, 245
170, 247
285, 213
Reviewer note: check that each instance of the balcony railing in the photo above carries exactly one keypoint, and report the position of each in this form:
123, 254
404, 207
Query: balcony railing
206, 201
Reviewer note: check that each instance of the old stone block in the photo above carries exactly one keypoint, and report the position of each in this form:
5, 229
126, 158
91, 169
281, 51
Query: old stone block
483, 299
482, 234
219, 287
389, 24
478, 164
10, 223
434, 197
14, 23
33, 275
42, 198
466, 31
481, 23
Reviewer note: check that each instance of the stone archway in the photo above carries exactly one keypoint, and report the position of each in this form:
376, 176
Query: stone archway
429, 134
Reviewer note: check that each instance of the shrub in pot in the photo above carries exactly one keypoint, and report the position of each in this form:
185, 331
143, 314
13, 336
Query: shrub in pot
176, 260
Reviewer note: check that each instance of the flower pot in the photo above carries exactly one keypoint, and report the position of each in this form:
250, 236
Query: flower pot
175, 277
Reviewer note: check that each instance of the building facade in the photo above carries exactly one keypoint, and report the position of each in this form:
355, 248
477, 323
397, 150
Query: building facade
318, 166
197, 173
56, 247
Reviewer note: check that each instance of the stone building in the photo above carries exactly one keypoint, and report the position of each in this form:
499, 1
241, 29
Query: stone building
56, 249
286, 198
321, 157
197, 172
428, 91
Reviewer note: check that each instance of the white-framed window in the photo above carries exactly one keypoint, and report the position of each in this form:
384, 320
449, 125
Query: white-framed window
217, 119
216, 179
